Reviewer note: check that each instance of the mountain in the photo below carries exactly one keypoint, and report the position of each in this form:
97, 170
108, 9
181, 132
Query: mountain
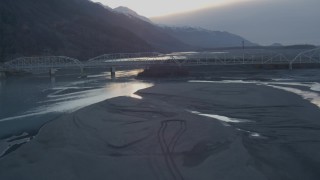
105, 6
276, 45
195, 37
206, 38
262, 21
130, 12
75, 28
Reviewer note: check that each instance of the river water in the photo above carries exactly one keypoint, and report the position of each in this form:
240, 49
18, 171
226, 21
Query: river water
26, 103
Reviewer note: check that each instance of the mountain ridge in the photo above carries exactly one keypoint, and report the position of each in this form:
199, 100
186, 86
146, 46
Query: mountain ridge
84, 29
205, 38
130, 12
197, 37
75, 28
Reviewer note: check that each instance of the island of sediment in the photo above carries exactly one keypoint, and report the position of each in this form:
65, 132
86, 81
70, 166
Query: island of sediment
159, 137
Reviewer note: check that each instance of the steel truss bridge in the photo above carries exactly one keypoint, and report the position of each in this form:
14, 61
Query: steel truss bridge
230, 57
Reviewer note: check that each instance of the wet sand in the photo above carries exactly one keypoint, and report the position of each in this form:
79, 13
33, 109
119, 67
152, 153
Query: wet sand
160, 137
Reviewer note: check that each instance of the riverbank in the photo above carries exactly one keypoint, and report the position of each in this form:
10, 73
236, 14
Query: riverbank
178, 131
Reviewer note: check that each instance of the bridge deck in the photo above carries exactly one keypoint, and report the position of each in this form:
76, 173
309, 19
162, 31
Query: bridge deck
236, 57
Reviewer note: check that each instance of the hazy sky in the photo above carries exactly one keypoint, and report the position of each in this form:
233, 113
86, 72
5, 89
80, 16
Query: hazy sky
260, 21
150, 8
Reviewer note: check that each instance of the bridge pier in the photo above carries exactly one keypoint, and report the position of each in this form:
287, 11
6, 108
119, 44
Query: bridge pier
290, 66
52, 71
82, 72
113, 72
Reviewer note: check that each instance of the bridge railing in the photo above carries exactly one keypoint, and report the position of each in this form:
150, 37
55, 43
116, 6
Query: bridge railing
126, 59
309, 56
228, 57
120, 56
39, 63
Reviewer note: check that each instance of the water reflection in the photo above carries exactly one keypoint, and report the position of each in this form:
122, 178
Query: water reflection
315, 87
69, 99
221, 118
33, 96
81, 97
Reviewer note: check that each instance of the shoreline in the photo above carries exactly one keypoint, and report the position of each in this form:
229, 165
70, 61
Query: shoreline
157, 137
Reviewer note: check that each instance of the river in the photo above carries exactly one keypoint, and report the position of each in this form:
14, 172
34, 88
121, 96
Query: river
26, 103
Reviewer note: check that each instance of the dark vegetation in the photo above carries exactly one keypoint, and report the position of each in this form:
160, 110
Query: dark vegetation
215, 72
158, 71
300, 46
75, 28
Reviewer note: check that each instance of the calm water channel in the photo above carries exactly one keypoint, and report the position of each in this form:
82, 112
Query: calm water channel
26, 103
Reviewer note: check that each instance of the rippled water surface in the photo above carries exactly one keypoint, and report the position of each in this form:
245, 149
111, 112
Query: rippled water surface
26, 103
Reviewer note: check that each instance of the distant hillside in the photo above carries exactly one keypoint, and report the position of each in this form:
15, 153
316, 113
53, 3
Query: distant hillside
276, 45
300, 46
76, 28
205, 38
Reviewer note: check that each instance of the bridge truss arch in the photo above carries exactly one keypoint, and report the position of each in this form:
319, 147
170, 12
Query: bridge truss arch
125, 59
307, 57
231, 57
40, 64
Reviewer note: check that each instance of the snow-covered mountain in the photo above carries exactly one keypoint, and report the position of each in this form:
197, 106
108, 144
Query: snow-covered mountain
130, 12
